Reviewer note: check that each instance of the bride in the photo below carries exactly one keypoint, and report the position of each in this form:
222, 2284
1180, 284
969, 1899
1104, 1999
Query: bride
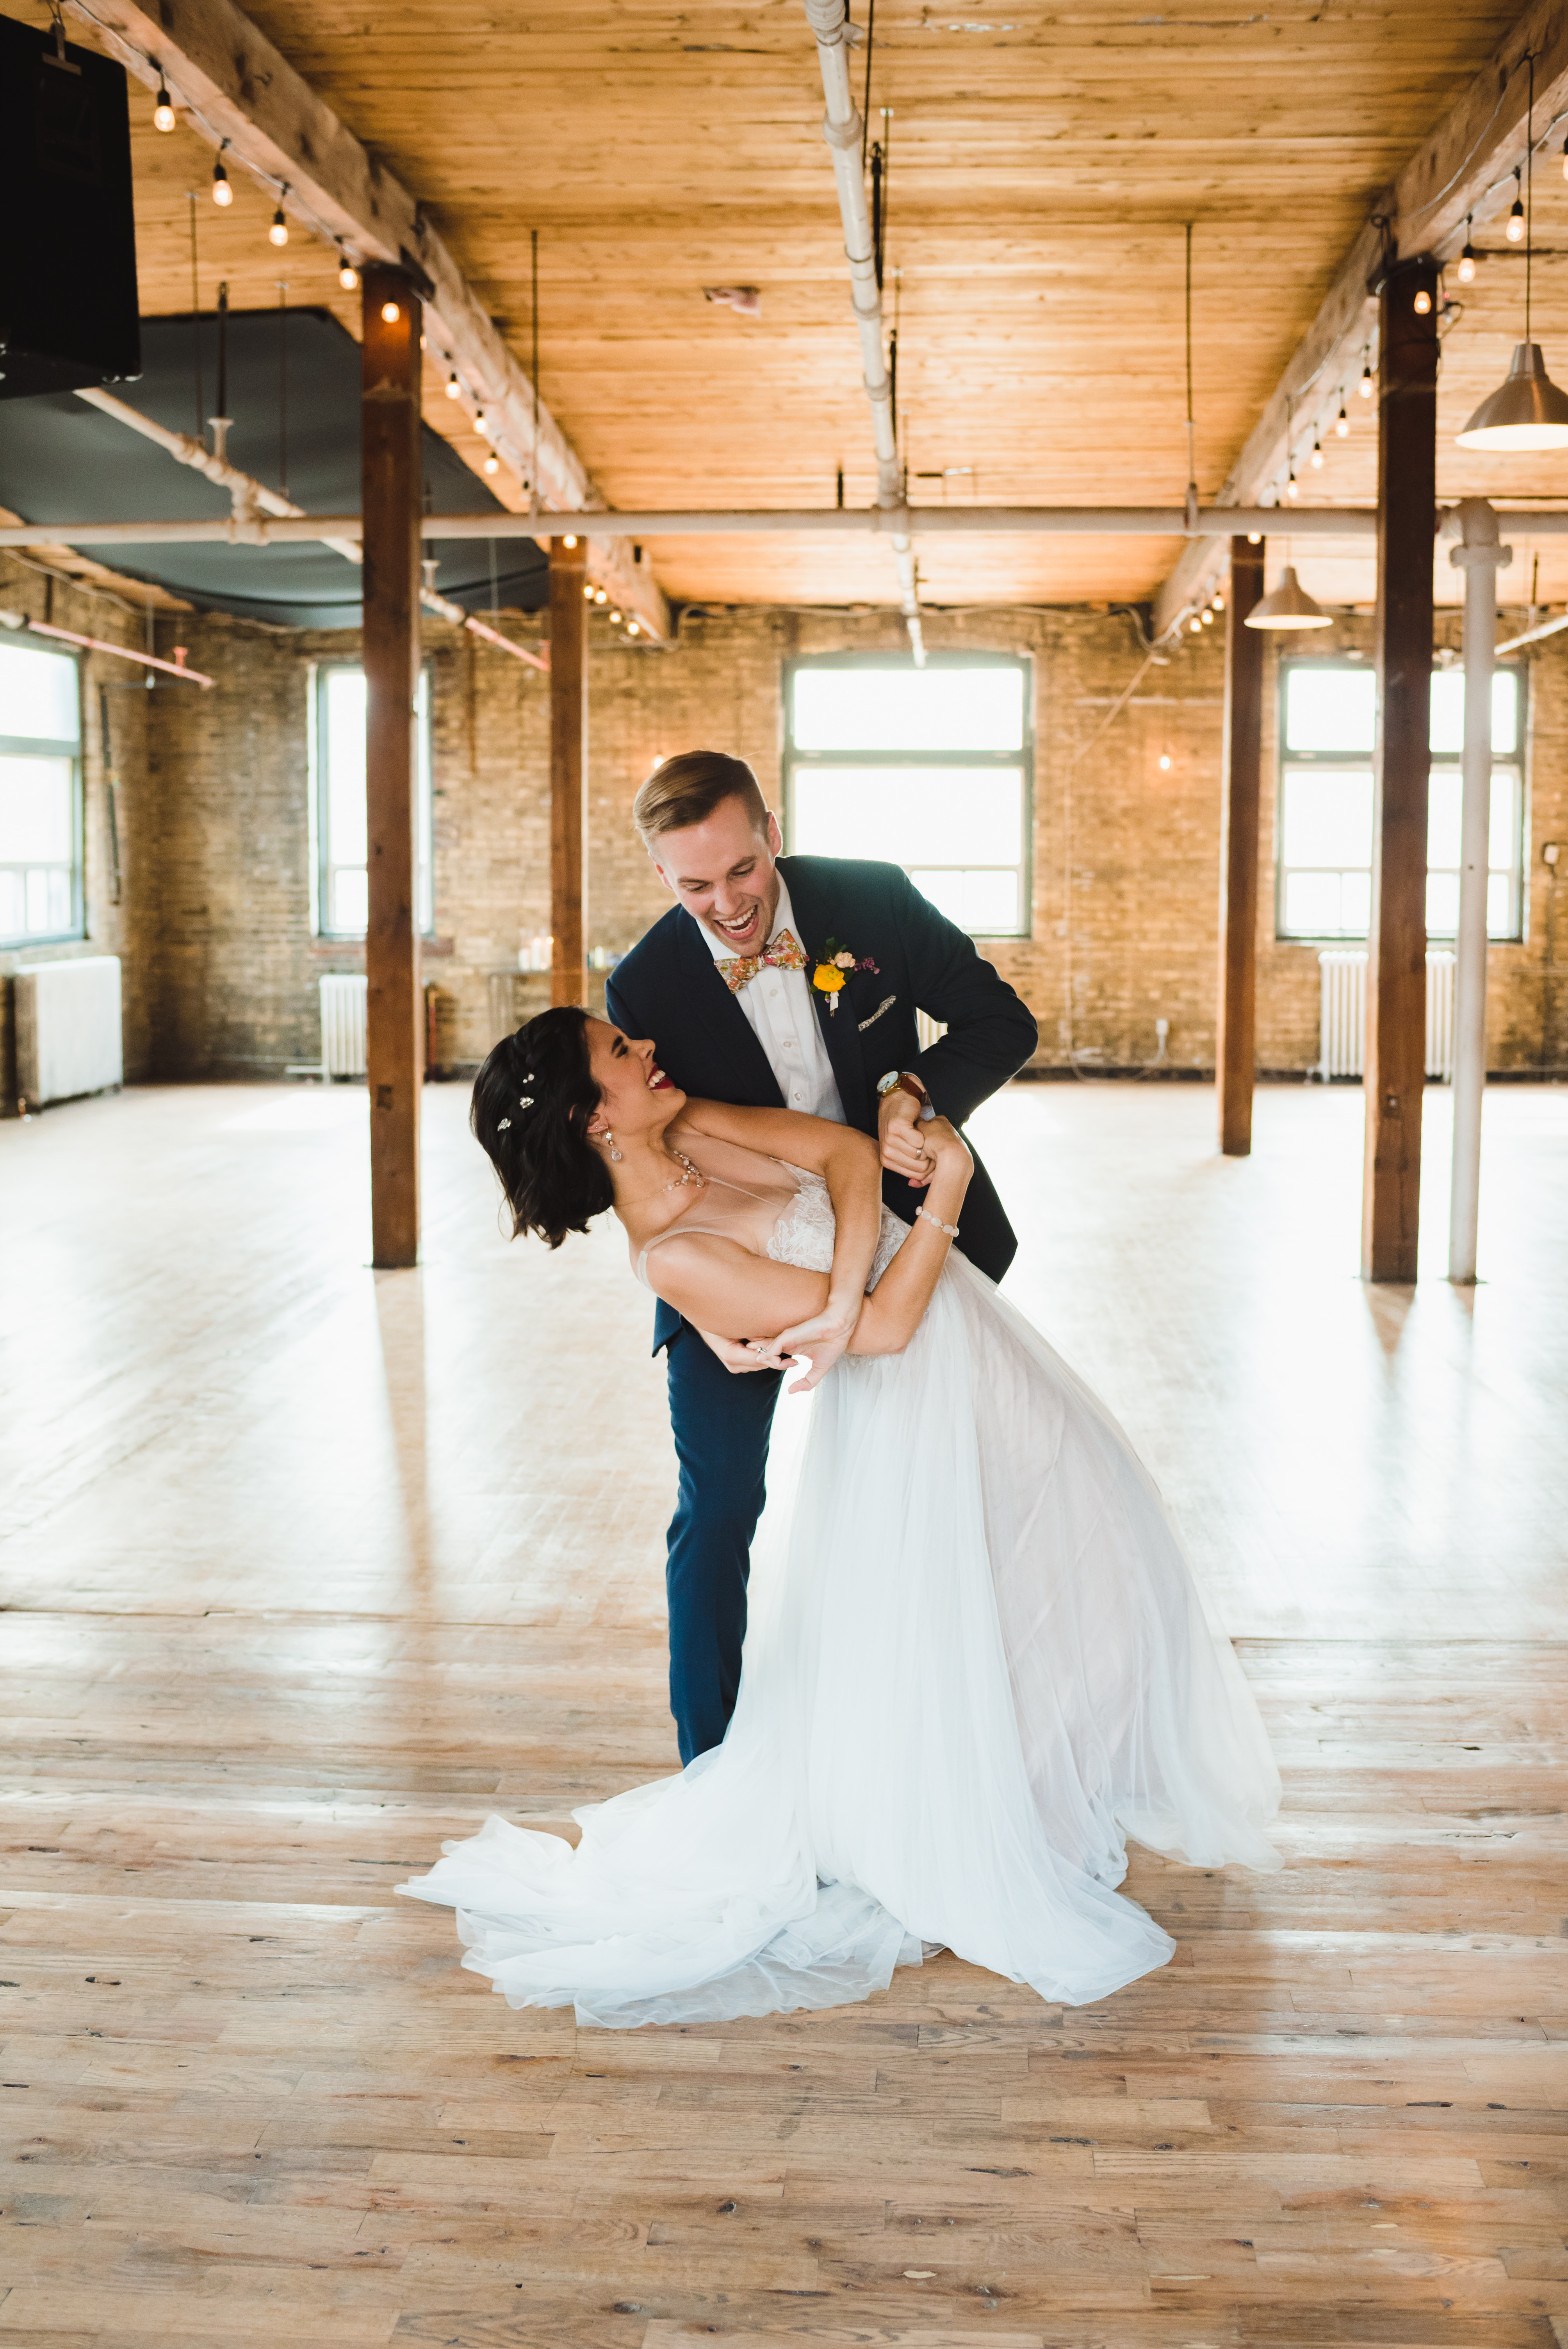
977, 1661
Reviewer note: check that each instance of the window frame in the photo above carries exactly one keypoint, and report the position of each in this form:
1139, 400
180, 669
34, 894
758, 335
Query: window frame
1285, 759
42, 746
795, 757
319, 784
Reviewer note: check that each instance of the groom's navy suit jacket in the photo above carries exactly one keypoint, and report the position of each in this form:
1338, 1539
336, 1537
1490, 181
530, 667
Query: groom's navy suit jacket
667, 988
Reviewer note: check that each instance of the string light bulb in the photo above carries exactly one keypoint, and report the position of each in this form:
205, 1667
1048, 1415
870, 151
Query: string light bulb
1565, 159
1466, 259
1195, 624
454, 388
569, 539
1207, 618
1514, 232
1316, 455
222, 194
1254, 538
1342, 421
634, 627
588, 594
279, 231
1293, 487
1366, 380
390, 313
614, 619
1219, 603
599, 595
492, 463
1422, 303
348, 275
1165, 762
163, 112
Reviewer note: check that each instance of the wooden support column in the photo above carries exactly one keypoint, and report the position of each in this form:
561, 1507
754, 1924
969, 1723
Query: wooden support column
1395, 1061
568, 768
1236, 1043
390, 491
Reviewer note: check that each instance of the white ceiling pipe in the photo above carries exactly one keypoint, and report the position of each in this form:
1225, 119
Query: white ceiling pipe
246, 492
845, 131
1480, 557
248, 495
1348, 525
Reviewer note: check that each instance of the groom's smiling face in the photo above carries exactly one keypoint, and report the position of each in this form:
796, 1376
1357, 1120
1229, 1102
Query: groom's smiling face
724, 872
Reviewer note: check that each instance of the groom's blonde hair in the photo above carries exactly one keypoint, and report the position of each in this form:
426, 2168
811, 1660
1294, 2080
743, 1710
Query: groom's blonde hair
685, 790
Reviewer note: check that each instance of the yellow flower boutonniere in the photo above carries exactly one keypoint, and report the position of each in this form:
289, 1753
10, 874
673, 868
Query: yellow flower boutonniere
834, 966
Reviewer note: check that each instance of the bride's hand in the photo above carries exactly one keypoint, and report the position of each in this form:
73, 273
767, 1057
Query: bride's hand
947, 1147
822, 1341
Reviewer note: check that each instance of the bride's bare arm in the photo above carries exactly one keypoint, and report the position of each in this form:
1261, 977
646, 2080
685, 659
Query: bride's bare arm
892, 1311
849, 1163
716, 1284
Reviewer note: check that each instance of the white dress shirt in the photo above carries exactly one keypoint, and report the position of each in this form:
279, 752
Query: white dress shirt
783, 1018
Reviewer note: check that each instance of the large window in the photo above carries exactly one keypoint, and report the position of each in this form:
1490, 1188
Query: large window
1328, 719
40, 797
928, 768
337, 804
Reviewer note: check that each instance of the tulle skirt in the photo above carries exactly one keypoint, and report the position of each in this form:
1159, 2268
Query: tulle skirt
977, 1664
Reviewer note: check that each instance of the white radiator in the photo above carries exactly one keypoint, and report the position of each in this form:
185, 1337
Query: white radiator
1342, 1014
69, 1038
343, 1024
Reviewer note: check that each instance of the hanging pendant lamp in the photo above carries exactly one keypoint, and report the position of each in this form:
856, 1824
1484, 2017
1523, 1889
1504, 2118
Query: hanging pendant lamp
1289, 606
1527, 410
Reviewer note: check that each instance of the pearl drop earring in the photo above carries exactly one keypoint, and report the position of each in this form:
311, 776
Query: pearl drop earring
611, 1140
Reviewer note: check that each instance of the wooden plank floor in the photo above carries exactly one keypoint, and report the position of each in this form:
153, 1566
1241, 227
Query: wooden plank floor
310, 1569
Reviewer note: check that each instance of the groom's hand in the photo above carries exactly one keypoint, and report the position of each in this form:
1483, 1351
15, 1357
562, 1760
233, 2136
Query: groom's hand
903, 1151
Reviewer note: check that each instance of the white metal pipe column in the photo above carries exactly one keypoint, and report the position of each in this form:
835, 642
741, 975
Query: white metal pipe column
1480, 557
843, 130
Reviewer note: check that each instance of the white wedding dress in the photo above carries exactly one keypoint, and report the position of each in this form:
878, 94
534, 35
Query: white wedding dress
977, 1661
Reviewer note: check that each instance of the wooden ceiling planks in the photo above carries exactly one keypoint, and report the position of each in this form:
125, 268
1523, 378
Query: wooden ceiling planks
1042, 163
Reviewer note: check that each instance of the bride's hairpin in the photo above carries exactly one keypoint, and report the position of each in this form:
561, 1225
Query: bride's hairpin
524, 1101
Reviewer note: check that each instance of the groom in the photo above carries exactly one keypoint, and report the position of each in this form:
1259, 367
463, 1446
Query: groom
736, 985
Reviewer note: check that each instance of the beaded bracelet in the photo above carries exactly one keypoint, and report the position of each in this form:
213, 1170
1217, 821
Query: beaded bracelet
951, 1229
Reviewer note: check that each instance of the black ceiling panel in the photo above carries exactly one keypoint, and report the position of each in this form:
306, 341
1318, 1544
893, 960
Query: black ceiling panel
293, 393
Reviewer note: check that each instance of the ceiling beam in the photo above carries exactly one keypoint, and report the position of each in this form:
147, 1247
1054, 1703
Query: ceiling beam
234, 86
1465, 166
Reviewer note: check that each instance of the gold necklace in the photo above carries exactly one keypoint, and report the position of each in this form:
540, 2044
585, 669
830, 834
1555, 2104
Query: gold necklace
689, 1174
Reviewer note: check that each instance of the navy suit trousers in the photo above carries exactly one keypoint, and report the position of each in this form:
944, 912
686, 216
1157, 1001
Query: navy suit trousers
721, 1421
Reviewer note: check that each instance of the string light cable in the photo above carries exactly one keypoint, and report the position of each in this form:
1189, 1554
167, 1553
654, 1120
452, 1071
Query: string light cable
156, 77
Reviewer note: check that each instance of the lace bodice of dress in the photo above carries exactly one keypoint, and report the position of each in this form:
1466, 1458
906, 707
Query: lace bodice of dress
770, 1207
804, 1232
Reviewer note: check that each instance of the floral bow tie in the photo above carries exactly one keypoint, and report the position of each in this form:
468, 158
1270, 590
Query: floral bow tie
779, 954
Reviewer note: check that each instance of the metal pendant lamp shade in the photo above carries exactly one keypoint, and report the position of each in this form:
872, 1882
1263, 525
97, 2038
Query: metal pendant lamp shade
1289, 606
1527, 411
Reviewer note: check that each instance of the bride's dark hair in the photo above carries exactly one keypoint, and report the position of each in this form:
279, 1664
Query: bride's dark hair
532, 1100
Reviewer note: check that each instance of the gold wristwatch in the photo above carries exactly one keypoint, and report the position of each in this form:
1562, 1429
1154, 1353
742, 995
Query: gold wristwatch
902, 1079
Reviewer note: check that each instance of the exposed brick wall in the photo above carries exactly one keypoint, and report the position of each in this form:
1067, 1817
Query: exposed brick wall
215, 930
